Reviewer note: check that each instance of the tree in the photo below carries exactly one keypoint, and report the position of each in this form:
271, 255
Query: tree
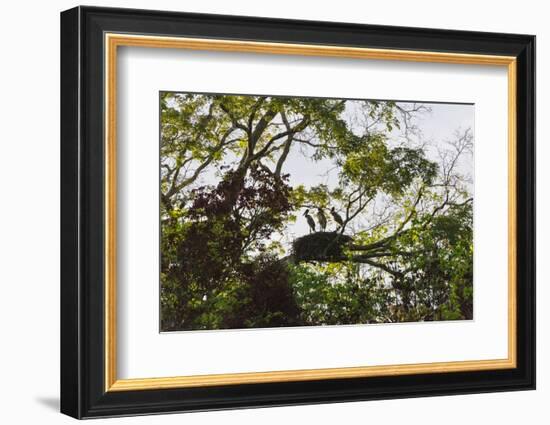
219, 256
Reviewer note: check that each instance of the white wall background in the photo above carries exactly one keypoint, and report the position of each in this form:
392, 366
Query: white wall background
29, 213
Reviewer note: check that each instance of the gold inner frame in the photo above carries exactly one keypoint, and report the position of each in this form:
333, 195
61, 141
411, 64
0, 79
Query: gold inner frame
113, 41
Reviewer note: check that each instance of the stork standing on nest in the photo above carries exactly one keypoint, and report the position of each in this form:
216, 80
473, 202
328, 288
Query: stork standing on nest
322, 219
337, 218
310, 221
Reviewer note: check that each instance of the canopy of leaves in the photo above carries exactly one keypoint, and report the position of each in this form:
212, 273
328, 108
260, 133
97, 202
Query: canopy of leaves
402, 244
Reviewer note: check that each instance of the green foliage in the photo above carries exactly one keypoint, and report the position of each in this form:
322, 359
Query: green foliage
370, 162
335, 294
222, 265
439, 281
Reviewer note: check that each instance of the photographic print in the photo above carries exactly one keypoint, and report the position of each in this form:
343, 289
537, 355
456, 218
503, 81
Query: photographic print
300, 211
309, 213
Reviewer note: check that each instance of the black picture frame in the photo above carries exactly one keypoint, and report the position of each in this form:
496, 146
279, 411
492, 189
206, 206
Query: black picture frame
83, 392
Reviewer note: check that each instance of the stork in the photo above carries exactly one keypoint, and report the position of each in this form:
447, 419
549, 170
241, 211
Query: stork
310, 221
337, 218
322, 219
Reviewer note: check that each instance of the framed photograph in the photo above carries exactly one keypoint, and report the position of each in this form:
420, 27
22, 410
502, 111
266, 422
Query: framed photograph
261, 212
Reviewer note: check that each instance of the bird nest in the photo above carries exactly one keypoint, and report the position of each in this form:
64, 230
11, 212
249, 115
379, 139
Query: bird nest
320, 246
